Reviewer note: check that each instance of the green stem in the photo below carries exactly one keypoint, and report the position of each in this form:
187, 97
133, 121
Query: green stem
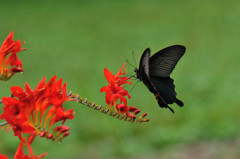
3, 123
99, 108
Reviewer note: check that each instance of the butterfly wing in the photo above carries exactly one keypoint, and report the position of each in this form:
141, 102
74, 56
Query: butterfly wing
144, 64
155, 71
143, 75
157, 88
162, 63
143, 72
161, 66
165, 89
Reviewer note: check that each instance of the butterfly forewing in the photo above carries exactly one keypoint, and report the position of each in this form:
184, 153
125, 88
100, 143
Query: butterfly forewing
144, 63
162, 63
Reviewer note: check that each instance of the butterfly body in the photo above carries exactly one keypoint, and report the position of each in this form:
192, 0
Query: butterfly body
155, 72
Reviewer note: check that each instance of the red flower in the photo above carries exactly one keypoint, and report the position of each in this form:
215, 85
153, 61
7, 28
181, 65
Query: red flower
36, 110
124, 109
11, 47
3, 156
114, 90
116, 79
61, 115
19, 153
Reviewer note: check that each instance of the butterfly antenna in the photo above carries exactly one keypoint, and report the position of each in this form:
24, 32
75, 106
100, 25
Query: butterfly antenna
130, 63
134, 59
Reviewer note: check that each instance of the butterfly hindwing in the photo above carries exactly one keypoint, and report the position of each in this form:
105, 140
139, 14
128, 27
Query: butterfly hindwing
157, 95
166, 90
162, 63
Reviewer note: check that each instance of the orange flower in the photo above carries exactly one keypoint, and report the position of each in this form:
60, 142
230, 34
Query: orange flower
130, 111
114, 90
19, 153
3, 156
8, 56
36, 110
116, 79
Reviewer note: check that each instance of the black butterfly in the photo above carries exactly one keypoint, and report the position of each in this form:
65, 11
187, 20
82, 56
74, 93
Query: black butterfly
155, 73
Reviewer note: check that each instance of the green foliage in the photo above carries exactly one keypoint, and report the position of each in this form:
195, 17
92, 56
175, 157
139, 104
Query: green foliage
76, 40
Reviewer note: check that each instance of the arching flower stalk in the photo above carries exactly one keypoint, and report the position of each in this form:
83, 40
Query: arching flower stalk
129, 116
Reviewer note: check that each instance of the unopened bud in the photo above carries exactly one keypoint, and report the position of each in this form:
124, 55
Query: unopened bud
49, 136
143, 116
42, 134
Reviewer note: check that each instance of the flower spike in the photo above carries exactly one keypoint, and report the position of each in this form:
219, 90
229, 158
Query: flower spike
116, 97
129, 118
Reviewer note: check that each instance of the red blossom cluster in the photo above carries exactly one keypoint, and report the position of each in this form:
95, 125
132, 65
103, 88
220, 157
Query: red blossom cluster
8, 56
34, 112
115, 92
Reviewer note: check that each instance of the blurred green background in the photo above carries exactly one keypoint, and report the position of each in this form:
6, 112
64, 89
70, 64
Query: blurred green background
76, 40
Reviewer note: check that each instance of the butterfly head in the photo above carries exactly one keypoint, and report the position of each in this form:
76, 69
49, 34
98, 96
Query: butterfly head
137, 73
